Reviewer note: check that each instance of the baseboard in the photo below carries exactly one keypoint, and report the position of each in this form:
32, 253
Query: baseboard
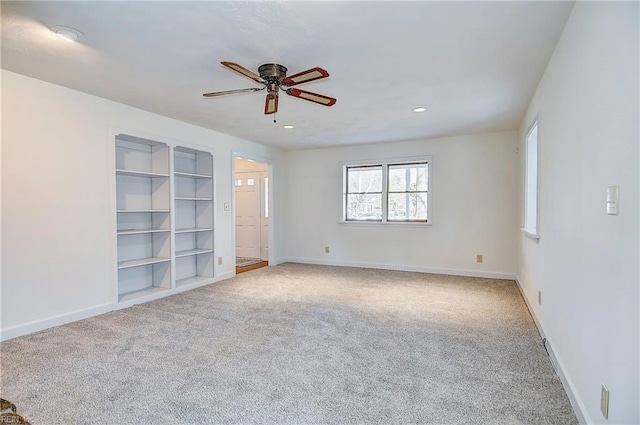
405, 268
226, 275
62, 319
575, 400
279, 261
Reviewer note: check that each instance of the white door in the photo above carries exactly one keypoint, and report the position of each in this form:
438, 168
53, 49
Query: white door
248, 217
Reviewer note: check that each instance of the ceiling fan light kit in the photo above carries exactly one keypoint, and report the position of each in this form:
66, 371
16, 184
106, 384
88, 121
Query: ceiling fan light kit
273, 77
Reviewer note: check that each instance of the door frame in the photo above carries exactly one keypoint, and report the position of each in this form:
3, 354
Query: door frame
270, 234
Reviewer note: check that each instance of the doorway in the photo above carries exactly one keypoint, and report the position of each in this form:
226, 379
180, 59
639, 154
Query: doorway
251, 181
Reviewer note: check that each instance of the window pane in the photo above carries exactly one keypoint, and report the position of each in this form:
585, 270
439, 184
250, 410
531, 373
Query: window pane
408, 177
407, 206
531, 183
364, 179
364, 207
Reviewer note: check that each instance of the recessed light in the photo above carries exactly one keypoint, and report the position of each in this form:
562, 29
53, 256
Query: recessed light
288, 127
67, 34
250, 160
420, 109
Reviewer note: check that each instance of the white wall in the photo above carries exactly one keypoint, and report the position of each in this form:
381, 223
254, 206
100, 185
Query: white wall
58, 197
586, 262
474, 190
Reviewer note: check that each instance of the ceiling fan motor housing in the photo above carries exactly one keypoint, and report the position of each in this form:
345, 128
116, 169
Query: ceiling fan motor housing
272, 72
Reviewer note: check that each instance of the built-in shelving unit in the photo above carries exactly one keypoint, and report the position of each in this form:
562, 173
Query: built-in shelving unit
143, 205
164, 209
193, 197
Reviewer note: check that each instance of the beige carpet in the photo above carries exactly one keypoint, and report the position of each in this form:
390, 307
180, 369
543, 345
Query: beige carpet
297, 344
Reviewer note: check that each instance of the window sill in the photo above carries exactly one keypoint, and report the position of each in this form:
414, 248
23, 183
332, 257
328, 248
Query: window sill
386, 223
531, 234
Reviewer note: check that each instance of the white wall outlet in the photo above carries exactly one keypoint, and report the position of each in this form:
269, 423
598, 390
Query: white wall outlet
326, 249
479, 258
227, 206
219, 261
604, 401
540, 297
612, 200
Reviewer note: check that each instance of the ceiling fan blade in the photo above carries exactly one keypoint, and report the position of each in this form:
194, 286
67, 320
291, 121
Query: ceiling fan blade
305, 76
313, 97
222, 93
271, 105
244, 71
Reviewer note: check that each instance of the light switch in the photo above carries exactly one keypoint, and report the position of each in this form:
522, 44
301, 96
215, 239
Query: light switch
227, 206
612, 200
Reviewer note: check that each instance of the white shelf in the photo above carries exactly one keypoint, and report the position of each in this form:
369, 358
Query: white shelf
193, 280
141, 231
189, 252
143, 211
192, 175
192, 199
141, 262
193, 230
134, 173
140, 293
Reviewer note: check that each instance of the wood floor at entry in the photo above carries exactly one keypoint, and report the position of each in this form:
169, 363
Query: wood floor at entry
244, 264
252, 215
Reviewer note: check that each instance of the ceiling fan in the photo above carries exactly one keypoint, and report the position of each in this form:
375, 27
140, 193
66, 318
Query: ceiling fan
273, 77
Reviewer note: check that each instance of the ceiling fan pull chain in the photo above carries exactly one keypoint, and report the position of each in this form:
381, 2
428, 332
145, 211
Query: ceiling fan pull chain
274, 118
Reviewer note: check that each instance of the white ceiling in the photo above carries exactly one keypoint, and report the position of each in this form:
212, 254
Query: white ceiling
474, 65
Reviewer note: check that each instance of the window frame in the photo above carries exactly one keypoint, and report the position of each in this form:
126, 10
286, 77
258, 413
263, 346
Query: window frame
533, 233
384, 164
346, 193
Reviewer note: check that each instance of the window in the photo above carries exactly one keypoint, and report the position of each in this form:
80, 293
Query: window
266, 197
387, 191
363, 194
531, 183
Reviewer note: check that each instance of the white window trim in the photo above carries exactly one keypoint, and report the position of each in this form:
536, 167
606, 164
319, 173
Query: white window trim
385, 191
531, 233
